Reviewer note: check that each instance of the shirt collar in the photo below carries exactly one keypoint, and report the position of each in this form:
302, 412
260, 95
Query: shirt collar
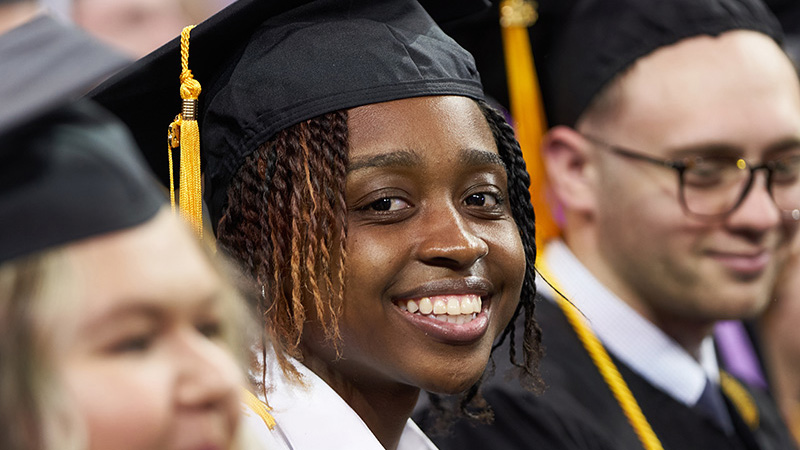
314, 416
629, 336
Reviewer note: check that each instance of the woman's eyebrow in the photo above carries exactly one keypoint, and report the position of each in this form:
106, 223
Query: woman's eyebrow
475, 157
398, 158
107, 318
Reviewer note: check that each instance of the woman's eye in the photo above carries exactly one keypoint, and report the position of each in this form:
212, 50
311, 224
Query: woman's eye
484, 199
133, 344
388, 204
210, 329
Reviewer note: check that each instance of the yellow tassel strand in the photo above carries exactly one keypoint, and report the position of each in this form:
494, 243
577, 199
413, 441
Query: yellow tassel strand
609, 372
526, 106
259, 407
184, 132
741, 399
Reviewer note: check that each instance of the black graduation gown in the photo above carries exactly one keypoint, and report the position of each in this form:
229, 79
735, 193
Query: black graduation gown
578, 411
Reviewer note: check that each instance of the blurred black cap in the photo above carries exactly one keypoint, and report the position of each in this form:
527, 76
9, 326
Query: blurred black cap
45, 62
68, 170
70, 174
589, 42
267, 65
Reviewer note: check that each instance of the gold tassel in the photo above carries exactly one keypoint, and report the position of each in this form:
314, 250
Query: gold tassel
184, 132
526, 107
259, 407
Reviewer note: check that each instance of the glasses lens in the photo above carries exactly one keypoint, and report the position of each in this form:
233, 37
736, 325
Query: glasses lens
786, 182
712, 186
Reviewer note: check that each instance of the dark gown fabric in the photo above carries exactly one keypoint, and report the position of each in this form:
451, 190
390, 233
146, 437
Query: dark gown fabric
578, 411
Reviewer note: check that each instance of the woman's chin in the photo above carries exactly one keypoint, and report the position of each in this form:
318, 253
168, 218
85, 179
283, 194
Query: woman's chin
452, 386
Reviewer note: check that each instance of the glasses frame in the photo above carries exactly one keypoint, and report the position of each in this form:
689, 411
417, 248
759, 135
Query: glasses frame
680, 166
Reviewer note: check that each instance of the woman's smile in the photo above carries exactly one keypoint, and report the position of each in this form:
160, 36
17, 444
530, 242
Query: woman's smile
451, 311
450, 319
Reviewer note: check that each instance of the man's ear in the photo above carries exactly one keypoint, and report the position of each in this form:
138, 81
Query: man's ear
567, 158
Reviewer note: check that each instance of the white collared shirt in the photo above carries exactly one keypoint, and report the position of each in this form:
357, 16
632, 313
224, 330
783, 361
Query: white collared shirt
315, 417
629, 336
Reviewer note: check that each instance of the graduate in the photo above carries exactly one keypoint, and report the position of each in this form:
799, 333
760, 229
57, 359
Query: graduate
118, 330
673, 156
352, 167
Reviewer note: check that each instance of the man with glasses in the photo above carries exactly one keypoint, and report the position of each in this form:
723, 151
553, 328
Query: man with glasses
675, 162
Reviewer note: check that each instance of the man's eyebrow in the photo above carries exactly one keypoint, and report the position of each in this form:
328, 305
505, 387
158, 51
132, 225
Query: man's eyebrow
719, 149
790, 143
398, 158
475, 157
706, 149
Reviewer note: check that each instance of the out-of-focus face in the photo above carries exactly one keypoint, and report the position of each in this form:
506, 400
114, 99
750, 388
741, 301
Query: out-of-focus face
435, 263
144, 362
734, 96
779, 323
135, 26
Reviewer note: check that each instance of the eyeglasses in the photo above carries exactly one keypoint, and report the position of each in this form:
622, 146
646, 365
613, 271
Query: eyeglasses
714, 186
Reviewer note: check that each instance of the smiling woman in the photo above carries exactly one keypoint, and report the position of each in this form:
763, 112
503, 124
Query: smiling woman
353, 169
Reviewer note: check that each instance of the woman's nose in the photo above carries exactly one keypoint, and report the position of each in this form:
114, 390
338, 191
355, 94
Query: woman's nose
449, 239
209, 376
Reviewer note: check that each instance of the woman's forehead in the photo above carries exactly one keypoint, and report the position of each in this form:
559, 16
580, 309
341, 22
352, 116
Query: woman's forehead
418, 125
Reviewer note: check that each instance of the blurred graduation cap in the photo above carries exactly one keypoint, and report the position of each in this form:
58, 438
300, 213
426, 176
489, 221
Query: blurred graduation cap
267, 65
68, 170
590, 42
788, 14
44, 62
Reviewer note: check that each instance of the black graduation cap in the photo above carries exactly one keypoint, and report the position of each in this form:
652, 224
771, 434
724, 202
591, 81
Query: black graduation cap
788, 14
70, 174
586, 43
267, 65
68, 170
44, 62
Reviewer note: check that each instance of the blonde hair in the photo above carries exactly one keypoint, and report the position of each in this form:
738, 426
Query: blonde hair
32, 407
35, 293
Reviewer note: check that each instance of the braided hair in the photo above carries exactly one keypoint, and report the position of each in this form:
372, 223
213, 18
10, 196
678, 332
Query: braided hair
286, 222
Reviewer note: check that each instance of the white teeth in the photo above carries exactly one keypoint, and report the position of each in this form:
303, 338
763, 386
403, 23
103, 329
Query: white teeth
466, 305
425, 306
453, 306
456, 309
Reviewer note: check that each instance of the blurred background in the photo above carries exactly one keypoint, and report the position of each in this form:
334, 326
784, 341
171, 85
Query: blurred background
136, 27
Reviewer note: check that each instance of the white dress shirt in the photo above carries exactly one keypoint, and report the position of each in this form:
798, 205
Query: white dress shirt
626, 334
314, 417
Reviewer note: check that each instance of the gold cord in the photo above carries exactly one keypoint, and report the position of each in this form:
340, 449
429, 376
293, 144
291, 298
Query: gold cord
608, 370
259, 407
741, 399
738, 395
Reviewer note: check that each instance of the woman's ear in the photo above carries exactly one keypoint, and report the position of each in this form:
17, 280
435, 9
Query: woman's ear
567, 158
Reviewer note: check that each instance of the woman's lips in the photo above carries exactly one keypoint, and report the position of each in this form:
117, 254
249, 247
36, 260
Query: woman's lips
449, 318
